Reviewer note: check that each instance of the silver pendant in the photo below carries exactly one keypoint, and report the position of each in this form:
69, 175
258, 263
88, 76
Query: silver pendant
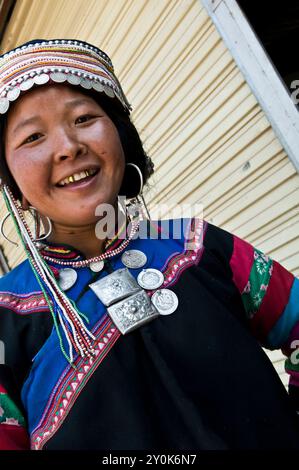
115, 286
150, 279
134, 259
67, 278
132, 312
96, 266
165, 301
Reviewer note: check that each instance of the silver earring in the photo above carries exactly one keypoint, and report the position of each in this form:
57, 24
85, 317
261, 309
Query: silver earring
2, 229
38, 221
136, 206
37, 224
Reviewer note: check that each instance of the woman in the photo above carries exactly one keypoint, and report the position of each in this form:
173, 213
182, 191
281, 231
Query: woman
143, 340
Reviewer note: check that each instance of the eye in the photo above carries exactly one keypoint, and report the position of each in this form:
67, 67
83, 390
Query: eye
83, 118
32, 138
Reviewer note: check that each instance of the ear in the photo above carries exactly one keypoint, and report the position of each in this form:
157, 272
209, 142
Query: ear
25, 204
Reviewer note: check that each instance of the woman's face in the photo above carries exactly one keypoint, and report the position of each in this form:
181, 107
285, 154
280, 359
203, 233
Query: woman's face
56, 132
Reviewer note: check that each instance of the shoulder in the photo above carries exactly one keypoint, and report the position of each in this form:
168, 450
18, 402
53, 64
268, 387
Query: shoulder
187, 239
186, 231
17, 279
20, 291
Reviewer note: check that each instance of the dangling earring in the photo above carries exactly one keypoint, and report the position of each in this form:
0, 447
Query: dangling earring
136, 206
24, 206
38, 222
37, 225
2, 229
24, 203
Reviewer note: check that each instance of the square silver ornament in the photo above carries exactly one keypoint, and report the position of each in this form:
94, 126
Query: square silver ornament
133, 312
115, 286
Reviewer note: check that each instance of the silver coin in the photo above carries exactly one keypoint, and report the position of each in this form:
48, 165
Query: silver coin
13, 94
96, 266
165, 301
27, 84
4, 105
150, 279
67, 278
109, 92
73, 79
134, 259
58, 77
41, 79
85, 83
97, 86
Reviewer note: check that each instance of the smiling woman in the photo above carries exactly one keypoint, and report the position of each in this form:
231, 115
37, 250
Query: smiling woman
140, 337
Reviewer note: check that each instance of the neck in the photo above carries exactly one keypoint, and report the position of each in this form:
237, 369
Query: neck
81, 238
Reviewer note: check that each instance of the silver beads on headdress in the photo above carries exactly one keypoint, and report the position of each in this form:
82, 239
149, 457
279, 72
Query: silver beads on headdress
59, 61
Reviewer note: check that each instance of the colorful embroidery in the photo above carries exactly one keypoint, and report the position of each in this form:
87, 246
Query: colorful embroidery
24, 304
63, 398
267, 294
60, 252
9, 413
177, 263
274, 302
258, 282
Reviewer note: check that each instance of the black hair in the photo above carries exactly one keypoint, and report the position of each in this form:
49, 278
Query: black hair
131, 144
129, 137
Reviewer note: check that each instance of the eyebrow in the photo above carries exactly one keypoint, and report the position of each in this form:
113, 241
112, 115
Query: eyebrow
25, 122
32, 120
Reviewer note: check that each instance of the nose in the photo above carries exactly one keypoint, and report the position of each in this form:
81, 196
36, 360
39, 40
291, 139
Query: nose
67, 145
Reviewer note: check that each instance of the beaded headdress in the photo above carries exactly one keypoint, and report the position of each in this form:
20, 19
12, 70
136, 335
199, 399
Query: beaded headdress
60, 61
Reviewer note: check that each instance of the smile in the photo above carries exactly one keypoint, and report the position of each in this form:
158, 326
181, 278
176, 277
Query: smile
82, 175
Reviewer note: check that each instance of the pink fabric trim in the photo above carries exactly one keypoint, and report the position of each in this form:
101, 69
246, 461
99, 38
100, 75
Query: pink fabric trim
241, 262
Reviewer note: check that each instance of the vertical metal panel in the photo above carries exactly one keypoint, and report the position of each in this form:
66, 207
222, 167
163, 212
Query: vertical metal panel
209, 139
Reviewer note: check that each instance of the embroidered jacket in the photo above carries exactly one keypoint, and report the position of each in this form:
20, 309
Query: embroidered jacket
194, 379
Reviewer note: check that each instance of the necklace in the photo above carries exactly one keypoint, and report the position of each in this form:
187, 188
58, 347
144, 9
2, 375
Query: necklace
96, 259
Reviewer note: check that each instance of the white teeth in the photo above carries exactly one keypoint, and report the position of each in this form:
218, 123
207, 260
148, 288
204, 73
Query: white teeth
77, 177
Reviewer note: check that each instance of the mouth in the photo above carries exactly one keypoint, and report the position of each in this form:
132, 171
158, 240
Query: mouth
79, 179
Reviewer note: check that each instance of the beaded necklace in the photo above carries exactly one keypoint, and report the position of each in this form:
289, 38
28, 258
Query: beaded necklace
102, 257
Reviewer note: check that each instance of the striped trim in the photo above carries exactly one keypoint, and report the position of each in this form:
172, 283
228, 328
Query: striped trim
24, 304
67, 391
60, 252
176, 264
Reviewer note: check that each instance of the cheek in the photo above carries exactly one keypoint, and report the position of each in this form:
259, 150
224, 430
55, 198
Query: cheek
28, 172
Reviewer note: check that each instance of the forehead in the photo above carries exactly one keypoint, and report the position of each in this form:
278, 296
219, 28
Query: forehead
47, 98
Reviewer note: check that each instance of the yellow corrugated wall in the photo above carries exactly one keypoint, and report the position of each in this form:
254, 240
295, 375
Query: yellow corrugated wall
209, 139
